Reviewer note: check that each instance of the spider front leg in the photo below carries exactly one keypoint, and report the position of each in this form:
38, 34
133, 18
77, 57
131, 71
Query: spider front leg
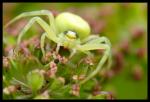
43, 42
57, 48
35, 13
96, 39
95, 46
49, 33
91, 37
73, 51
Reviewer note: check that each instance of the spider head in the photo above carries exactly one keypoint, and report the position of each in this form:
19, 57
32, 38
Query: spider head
70, 39
70, 35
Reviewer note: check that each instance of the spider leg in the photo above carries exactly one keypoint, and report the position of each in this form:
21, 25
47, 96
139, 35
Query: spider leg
35, 13
93, 46
49, 33
73, 51
106, 41
42, 42
95, 39
57, 48
89, 38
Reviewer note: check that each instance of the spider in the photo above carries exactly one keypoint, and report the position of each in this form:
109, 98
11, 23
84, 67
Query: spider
70, 31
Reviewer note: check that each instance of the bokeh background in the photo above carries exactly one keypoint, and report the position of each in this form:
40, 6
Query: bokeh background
125, 24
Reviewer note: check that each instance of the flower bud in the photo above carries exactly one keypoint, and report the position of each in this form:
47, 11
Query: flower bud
35, 80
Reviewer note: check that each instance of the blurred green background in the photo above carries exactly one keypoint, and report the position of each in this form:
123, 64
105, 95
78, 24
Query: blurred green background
125, 24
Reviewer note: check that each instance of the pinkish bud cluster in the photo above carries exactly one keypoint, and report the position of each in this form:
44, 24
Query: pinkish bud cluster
75, 90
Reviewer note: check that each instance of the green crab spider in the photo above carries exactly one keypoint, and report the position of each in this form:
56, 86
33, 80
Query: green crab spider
68, 30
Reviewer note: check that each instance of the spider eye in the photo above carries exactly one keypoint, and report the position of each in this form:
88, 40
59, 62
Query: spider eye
70, 34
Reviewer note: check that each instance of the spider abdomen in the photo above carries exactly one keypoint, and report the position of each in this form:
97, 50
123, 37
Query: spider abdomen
68, 21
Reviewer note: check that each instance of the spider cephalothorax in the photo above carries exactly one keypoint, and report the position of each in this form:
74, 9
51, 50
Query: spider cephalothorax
70, 35
69, 39
68, 30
